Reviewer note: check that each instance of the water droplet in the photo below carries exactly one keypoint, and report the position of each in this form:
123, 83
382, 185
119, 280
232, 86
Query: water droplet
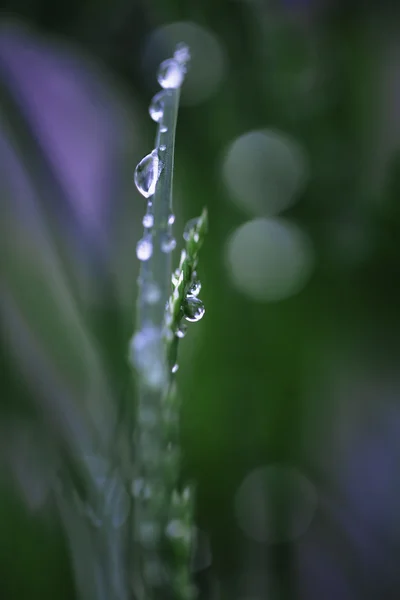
163, 129
163, 147
148, 220
171, 219
194, 287
175, 368
170, 74
144, 248
152, 292
168, 243
147, 173
193, 309
181, 331
190, 225
156, 108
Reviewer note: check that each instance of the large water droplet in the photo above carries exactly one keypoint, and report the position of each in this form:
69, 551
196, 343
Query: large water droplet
193, 309
168, 243
170, 74
148, 220
190, 225
144, 248
147, 173
156, 108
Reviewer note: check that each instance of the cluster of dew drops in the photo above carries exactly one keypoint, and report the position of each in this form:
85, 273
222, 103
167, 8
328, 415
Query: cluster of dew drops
170, 76
192, 308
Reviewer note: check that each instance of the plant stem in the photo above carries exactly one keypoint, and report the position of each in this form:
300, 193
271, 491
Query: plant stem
154, 474
158, 268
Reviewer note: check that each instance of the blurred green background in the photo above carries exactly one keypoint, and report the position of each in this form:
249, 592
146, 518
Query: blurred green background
289, 133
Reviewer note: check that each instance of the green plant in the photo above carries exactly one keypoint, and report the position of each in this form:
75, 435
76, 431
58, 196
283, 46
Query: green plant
163, 516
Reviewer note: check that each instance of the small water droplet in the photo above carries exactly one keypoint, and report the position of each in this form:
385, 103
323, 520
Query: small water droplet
156, 108
181, 331
144, 248
175, 368
193, 309
168, 243
148, 220
171, 219
190, 225
195, 286
152, 292
147, 173
163, 129
163, 147
170, 74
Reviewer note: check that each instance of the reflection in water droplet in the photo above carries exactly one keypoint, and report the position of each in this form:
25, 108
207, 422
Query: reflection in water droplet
163, 147
147, 173
163, 129
190, 225
170, 74
156, 108
175, 368
171, 219
181, 331
148, 220
144, 248
168, 243
193, 309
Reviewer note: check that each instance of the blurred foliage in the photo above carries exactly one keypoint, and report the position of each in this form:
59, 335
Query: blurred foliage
260, 381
